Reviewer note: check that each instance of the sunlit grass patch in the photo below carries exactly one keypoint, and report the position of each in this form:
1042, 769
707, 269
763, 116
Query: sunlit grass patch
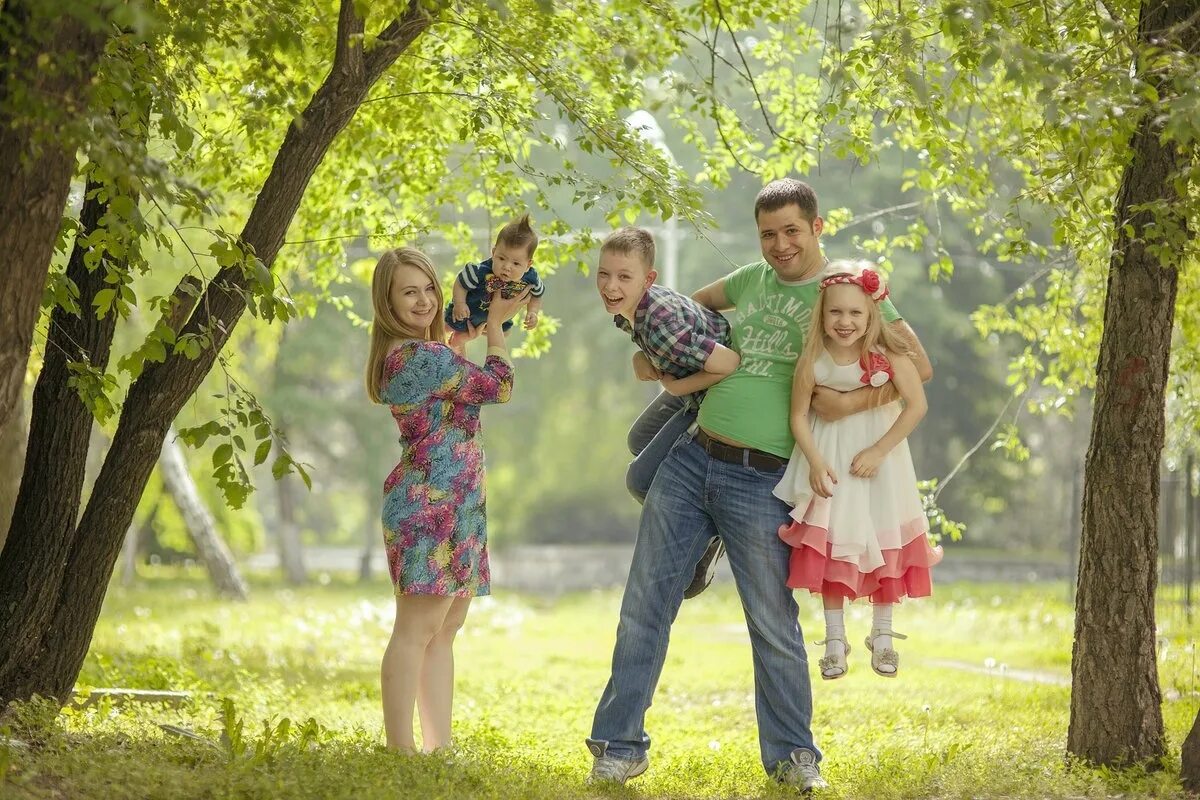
284, 695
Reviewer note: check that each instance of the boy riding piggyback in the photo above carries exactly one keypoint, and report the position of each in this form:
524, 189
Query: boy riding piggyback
681, 344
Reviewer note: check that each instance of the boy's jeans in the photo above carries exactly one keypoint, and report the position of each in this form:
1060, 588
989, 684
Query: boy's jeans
651, 437
694, 497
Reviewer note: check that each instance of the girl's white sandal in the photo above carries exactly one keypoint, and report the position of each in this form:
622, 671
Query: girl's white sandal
834, 667
885, 656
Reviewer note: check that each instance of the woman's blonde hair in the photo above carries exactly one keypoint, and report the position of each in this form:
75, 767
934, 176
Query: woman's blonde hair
877, 332
387, 327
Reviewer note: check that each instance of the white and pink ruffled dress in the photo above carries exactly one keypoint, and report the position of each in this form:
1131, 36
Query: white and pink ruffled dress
869, 539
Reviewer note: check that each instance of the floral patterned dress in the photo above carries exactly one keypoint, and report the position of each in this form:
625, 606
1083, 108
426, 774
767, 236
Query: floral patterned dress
434, 521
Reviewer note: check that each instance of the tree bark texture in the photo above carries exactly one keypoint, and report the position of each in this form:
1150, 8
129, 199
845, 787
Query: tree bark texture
36, 162
47, 507
1116, 714
212, 549
46, 659
1190, 754
12, 455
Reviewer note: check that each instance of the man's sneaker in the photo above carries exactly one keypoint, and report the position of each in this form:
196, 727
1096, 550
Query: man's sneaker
706, 568
803, 772
610, 769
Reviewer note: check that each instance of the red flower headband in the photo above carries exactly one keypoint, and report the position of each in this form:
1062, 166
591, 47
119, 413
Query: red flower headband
868, 280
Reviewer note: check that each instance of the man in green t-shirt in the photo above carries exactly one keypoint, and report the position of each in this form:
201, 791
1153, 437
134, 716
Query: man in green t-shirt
719, 482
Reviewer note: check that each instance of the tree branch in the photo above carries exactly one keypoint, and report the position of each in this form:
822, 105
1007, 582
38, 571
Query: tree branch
348, 54
762, 106
395, 38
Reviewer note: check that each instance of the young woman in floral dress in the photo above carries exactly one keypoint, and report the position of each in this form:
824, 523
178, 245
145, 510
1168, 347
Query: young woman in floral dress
434, 520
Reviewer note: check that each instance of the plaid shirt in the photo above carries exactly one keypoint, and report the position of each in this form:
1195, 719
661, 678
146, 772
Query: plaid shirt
675, 332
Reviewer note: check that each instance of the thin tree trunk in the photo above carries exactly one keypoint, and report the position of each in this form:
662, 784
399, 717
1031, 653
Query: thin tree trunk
129, 549
133, 541
1168, 503
291, 550
1116, 714
372, 528
1190, 768
46, 659
287, 536
212, 549
50, 58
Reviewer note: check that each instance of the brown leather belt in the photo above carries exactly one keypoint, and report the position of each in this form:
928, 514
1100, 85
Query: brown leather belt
745, 456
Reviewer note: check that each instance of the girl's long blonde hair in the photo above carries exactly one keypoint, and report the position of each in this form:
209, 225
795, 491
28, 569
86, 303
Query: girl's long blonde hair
387, 328
877, 333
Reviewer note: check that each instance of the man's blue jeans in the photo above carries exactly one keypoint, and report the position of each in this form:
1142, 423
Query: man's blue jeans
694, 497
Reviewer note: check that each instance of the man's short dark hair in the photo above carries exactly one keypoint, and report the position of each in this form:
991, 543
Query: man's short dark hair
785, 192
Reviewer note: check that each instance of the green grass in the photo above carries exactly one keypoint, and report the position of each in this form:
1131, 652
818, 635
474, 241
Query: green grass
286, 695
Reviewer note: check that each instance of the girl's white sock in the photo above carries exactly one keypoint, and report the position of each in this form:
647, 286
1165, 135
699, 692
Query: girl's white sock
835, 628
881, 620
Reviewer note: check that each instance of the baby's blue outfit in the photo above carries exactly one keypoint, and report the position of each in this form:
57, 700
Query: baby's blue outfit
480, 283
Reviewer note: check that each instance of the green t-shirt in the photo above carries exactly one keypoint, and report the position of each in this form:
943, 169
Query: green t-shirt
753, 405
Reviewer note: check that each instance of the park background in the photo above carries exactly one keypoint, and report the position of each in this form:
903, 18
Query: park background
267, 608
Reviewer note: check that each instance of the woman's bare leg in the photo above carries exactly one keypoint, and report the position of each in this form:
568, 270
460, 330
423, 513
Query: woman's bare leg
419, 618
435, 697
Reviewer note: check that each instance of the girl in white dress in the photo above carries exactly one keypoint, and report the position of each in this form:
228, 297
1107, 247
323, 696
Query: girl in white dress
858, 527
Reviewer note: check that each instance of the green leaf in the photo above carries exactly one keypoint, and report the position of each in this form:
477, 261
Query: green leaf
222, 454
262, 451
304, 476
155, 350
103, 301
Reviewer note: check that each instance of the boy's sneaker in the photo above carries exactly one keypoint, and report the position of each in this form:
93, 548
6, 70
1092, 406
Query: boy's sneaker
610, 769
706, 568
803, 772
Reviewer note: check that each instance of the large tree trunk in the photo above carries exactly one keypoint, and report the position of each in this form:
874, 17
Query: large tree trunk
47, 507
217, 558
51, 58
46, 659
1190, 753
1116, 714
12, 454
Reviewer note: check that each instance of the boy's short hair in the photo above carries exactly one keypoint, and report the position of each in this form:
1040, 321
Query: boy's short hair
519, 233
784, 192
631, 240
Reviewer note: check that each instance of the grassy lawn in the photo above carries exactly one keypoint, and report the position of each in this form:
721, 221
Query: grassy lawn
285, 694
